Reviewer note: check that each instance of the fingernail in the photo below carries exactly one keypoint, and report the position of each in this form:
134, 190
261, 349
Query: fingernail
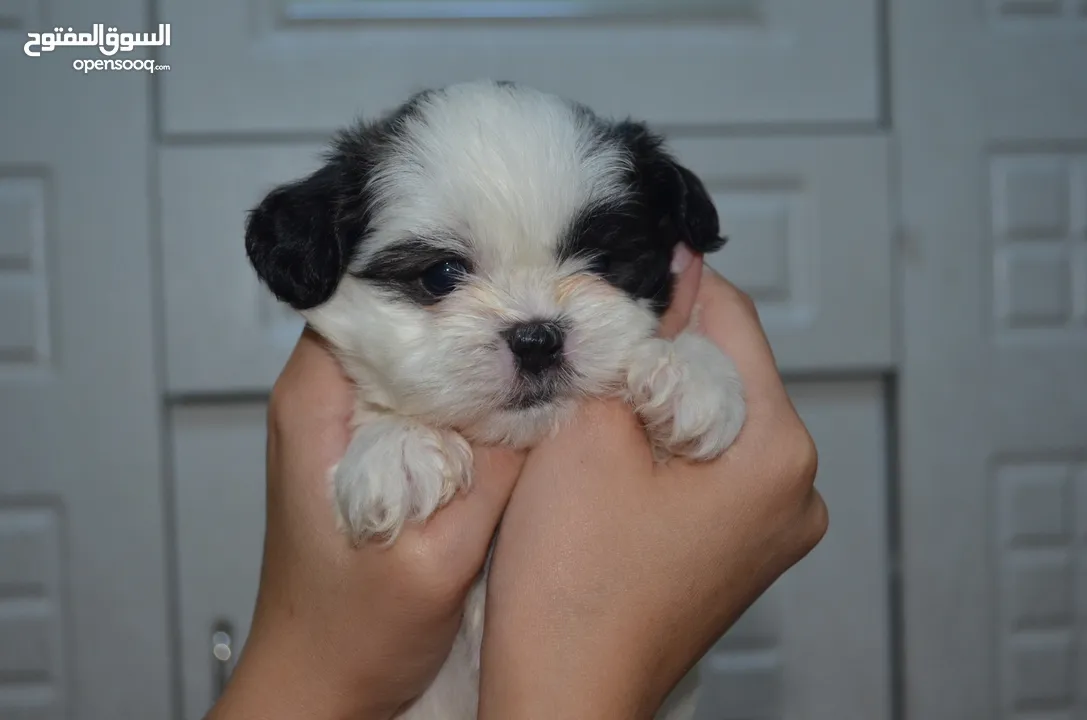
681, 258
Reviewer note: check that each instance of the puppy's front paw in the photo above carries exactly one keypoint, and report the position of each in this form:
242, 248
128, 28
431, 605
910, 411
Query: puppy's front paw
396, 470
688, 394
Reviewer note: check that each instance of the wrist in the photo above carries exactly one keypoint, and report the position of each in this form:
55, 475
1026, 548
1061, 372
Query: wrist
544, 676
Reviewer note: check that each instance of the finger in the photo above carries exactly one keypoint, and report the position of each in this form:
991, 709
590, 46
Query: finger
687, 267
309, 429
312, 390
473, 516
598, 423
729, 318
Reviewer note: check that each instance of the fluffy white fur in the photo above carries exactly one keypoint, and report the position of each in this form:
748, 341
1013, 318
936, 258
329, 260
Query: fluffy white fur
508, 170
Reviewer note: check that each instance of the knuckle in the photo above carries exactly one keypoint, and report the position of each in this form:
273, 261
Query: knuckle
793, 492
798, 458
810, 512
820, 518
815, 522
745, 302
805, 457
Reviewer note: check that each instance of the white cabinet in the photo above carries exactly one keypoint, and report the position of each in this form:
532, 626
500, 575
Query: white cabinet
218, 471
774, 103
973, 157
815, 647
224, 331
290, 66
992, 130
84, 620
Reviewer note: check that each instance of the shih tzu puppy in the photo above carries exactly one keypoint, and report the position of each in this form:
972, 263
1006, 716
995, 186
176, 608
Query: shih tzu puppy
480, 259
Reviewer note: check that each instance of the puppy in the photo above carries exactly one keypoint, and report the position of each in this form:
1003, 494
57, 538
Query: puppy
480, 259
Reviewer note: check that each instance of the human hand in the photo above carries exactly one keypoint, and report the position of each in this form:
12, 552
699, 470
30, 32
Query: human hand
612, 576
341, 632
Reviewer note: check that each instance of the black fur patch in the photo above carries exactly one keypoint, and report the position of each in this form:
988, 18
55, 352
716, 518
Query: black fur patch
669, 193
634, 242
292, 241
302, 236
627, 249
399, 267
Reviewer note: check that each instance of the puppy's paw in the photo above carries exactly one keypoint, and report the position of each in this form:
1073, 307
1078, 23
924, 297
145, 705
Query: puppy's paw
395, 471
688, 394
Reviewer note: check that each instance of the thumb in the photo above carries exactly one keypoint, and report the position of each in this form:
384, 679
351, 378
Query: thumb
687, 267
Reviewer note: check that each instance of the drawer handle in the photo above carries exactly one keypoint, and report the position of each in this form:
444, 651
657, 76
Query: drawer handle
222, 657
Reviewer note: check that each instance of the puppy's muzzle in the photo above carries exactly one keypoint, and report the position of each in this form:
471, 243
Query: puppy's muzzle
537, 346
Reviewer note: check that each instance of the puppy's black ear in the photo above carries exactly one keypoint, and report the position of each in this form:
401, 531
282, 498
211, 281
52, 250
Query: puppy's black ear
697, 213
685, 210
292, 241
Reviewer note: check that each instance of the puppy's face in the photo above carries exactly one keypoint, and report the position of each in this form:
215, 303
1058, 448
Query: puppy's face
484, 255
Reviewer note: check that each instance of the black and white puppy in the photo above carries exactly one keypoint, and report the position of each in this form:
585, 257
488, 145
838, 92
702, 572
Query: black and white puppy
482, 258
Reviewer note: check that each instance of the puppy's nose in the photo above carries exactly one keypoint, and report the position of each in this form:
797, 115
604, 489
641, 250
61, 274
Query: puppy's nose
536, 345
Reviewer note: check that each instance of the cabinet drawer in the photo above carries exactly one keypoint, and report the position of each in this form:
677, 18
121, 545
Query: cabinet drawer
224, 331
807, 219
289, 66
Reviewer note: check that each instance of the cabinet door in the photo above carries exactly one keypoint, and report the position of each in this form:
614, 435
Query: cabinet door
815, 647
84, 623
807, 218
289, 66
218, 452
991, 105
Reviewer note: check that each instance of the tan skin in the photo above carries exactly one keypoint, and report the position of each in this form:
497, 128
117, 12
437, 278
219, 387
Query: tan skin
611, 577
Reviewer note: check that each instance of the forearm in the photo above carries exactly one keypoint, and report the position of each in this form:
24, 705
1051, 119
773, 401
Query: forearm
531, 671
534, 691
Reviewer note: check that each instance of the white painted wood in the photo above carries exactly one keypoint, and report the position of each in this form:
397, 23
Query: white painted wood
219, 460
808, 221
213, 299
809, 227
288, 66
83, 607
991, 116
814, 648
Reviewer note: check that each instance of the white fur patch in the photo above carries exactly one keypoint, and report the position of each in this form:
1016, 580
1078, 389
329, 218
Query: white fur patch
688, 394
505, 167
396, 470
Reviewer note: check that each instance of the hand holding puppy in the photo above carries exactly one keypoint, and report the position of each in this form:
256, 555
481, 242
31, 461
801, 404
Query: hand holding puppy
346, 633
612, 576
609, 580
340, 632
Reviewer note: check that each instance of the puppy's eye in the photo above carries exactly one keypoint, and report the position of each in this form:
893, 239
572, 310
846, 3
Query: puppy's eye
442, 278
